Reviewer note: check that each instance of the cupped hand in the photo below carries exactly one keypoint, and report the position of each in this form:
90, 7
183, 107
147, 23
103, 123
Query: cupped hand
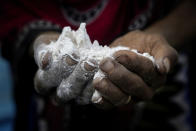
62, 76
131, 75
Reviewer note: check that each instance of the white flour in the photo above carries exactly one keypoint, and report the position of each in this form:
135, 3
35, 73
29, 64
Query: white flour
78, 42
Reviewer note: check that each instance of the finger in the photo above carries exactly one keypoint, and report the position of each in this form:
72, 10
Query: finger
43, 59
41, 84
46, 60
54, 99
72, 86
86, 95
128, 81
165, 56
141, 66
40, 46
45, 79
70, 61
110, 92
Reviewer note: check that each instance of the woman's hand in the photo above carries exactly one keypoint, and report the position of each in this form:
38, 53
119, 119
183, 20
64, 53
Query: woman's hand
61, 74
134, 75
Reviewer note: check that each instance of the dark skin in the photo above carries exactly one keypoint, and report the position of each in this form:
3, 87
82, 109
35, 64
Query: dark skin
136, 76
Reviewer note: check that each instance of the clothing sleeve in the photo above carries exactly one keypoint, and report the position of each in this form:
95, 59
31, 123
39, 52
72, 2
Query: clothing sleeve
149, 11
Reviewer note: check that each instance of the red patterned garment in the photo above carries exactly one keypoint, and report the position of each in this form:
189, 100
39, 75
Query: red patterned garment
105, 19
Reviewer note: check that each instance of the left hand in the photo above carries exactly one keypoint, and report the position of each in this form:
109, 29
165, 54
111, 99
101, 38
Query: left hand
61, 76
131, 75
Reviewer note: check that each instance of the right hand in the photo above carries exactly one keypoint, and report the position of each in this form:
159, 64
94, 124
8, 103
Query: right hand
65, 77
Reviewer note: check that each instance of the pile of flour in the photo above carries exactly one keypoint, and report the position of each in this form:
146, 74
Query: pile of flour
78, 42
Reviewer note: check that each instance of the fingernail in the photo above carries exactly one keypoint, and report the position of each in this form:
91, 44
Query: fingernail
89, 66
46, 60
166, 64
70, 61
74, 57
107, 66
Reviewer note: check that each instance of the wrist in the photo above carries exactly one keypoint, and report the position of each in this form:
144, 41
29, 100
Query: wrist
43, 39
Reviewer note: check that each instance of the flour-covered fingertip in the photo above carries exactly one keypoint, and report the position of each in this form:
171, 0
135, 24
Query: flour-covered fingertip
70, 61
96, 98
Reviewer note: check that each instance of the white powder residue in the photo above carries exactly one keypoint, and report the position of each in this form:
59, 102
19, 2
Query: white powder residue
78, 42
96, 98
147, 55
98, 52
99, 74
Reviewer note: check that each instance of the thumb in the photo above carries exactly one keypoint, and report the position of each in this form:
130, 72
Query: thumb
165, 57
